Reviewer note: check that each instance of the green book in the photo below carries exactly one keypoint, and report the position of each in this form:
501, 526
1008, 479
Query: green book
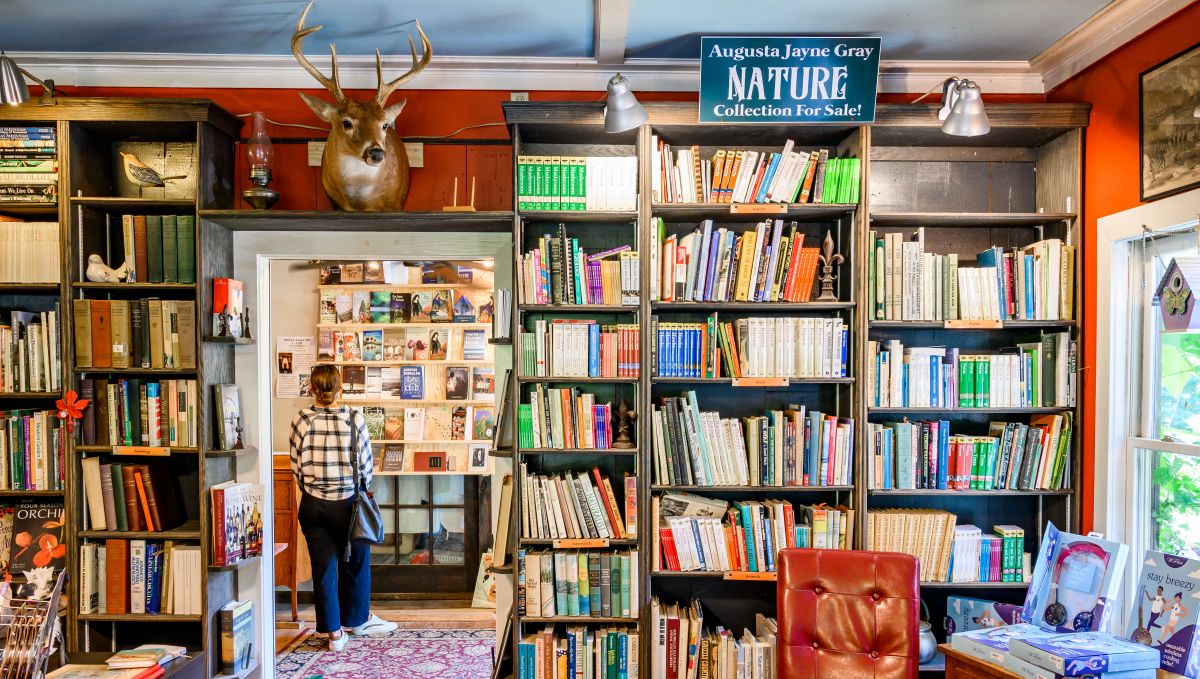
154, 248
583, 184
186, 248
522, 183
872, 277
983, 382
170, 257
610, 655
626, 609
966, 382
556, 182
119, 497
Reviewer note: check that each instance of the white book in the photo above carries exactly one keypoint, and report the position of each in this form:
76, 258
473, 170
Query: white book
655, 171
782, 168
137, 576
88, 583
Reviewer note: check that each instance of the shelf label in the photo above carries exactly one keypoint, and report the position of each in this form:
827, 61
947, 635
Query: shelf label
581, 543
760, 381
750, 575
145, 451
974, 325
758, 208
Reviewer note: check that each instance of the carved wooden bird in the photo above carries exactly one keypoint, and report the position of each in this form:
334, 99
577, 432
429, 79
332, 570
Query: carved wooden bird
99, 272
142, 174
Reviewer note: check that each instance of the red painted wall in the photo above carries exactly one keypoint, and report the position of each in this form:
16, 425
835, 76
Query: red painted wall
1111, 172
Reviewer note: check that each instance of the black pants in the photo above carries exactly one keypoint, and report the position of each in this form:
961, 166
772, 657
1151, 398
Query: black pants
341, 588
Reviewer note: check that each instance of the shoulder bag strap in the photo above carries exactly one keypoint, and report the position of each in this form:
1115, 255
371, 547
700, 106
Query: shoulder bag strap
358, 479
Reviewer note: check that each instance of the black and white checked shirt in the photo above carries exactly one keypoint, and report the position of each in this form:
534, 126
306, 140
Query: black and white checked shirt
320, 451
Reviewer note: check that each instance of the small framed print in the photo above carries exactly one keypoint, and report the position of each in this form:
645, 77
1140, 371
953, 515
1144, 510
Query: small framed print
1170, 125
477, 457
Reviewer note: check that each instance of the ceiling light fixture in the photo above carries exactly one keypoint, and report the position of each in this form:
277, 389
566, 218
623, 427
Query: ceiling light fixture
962, 108
623, 112
13, 89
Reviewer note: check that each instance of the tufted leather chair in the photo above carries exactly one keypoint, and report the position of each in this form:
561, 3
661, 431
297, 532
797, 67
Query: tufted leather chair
849, 614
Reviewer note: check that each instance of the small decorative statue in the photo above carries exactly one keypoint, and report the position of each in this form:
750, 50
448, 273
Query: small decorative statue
828, 260
625, 418
246, 322
237, 427
99, 272
223, 320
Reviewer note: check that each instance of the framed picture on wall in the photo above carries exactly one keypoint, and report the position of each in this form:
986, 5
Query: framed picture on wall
1170, 125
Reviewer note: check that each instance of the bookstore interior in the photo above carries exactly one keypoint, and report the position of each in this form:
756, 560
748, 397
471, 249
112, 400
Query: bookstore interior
628, 340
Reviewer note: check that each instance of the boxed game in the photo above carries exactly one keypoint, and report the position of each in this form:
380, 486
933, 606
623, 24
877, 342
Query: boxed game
1075, 581
1028, 670
964, 614
1084, 653
1166, 596
991, 644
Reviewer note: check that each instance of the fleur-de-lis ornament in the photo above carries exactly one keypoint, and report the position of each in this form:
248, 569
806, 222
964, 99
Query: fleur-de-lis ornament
70, 408
828, 260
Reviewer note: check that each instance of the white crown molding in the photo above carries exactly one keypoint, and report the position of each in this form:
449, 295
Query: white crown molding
1103, 32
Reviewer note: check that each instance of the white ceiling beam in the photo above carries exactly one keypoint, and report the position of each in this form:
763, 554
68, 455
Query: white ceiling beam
612, 31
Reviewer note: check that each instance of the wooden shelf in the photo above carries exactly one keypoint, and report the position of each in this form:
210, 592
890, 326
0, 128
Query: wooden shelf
110, 450
612, 542
497, 221
249, 450
30, 394
968, 411
752, 489
969, 219
132, 287
116, 203
181, 372
31, 209
449, 363
594, 216
905, 492
402, 402
579, 619
791, 381
578, 451
941, 325
245, 561
737, 576
428, 442
974, 585
720, 212
399, 326
213, 339
500, 340
578, 308
29, 288
251, 670
188, 531
138, 617
759, 307
581, 380
17, 494
391, 287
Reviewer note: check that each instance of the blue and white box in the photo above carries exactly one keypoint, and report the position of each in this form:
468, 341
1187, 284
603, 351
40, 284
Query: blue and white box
964, 613
1084, 653
1028, 670
1167, 597
1075, 581
991, 644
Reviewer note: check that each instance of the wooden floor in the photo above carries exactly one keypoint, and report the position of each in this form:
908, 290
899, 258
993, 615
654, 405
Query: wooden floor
413, 614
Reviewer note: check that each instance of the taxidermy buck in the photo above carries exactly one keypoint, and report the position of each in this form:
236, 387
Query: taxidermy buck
364, 167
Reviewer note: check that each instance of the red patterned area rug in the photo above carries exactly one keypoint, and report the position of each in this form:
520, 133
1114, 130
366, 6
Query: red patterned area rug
403, 654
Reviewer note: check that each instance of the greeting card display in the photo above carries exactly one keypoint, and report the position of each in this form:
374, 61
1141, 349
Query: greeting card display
1075, 581
1168, 599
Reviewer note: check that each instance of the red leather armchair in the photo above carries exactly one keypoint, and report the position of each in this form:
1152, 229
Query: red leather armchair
850, 614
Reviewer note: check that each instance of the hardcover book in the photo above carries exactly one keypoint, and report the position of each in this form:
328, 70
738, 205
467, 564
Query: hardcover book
326, 345
401, 306
352, 273
474, 345
361, 302
228, 410
429, 461
372, 345
440, 307
412, 382
237, 636
1075, 581
354, 381
1168, 596
392, 458
458, 384
439, 345
422, 307
484, 419
483, 384
1084, 653
381, 307
464, 309
37, 531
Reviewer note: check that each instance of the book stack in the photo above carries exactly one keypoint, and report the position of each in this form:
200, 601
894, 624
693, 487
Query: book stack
28, 165
1030, 375
559, 271
752, 347
138, 333
388, 307
131, 497
1034, 282
119, 577
32, 450
1013, 456
569, 583
572, 506
564, 418
30, 354
790, 447
996, 557
684, 648
927, 534
767, 263
133, 412
580, 348
576, 183
29, 251
739, 176
1082, 653
578, 652
237, 522
160, 248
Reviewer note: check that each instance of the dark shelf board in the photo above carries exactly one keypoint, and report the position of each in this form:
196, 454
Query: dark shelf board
500, 340
909, 492
29, 288
581, 380
579, 619
231, 452
140, 287
577, 216
115, 203
968, 411
30, 209
729, 380
235, 565
750, 489
138, 617
720, 213
213, 339
974, 585
109, 449
761, 307
17, 494
577, 308
499, 221
969, 219
182, 372
30, 394
612, 542
941, 325
715, 574
578, 451
188, 531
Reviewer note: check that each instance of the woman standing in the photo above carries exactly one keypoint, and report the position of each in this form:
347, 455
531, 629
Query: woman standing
325, 439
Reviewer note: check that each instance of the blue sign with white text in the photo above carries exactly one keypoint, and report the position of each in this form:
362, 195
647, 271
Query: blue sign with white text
788, 80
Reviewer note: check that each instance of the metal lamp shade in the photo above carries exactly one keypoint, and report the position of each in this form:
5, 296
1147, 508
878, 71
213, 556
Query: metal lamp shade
967, 118
13, 89
623, 112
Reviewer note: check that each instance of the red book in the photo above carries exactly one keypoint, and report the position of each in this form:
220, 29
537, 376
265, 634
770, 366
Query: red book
101, 334
116, 576
141, 271
608, 502
670, 557
672, 648
150, 673
138, 477
132, 512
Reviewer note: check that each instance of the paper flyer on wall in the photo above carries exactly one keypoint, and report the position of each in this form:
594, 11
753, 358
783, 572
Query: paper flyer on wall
294, 360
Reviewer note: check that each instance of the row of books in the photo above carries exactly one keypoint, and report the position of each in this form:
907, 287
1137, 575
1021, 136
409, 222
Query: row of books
995, 557
28, 165
131, 497
1013, 456
569, 583
579, 652
32, 450
684, 648
30, 351
138, 333
140, 576
927, 534
408, 382
559, 271
791, 447
752, 347
160, 248
473, 305
135, 412
766, 263
564, 418
237, 522
580, 348
43, 522
577, 183
1034, 282
574, 505
430, 423
740, 176
398, 345
1032, 374
30, 252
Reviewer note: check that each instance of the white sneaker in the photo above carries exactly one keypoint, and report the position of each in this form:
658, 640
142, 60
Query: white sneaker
373, 625
339, 643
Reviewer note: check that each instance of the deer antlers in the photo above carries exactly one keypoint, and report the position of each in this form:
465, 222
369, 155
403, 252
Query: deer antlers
383, 90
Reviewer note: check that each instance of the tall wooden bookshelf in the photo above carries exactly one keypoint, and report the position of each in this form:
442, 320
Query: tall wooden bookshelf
1020, 183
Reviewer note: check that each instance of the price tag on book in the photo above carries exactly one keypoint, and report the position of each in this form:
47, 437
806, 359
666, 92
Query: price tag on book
581, 543
750, 575
145, 451
760, 381
974, 325
758, 208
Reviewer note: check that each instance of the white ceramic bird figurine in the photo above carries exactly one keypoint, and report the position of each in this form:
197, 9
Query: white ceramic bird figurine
142, 174
99, 272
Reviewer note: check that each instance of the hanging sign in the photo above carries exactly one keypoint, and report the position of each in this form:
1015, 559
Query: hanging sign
788, 80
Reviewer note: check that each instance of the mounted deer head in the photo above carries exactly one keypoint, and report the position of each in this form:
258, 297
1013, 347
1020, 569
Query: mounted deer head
364, 167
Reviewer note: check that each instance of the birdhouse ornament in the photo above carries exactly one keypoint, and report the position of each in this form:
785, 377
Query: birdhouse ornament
1174, 297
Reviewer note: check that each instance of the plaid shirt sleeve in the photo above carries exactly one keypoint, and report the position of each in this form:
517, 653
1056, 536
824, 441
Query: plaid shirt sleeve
320, 451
